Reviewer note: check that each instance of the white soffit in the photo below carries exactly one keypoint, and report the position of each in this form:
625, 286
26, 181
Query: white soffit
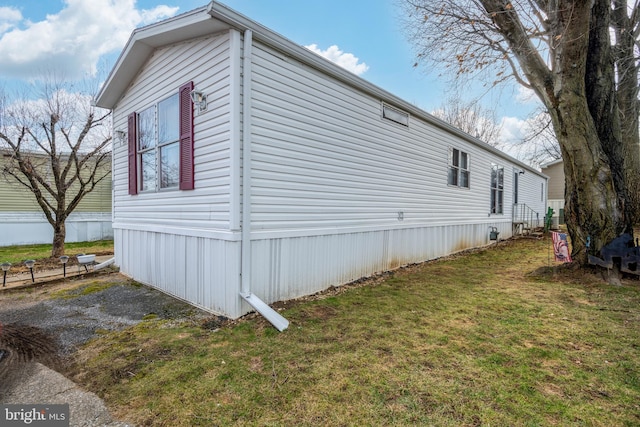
142, 43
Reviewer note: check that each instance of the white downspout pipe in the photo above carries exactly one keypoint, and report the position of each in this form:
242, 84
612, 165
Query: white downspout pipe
279, 322
246, 164
107, 263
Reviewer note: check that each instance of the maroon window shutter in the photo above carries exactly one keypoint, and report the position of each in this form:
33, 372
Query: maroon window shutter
132, 136
186, 138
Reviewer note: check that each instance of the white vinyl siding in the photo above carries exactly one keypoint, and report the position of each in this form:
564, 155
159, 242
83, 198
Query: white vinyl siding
29, 228
555, 172
206, 62
529, 193
323, 159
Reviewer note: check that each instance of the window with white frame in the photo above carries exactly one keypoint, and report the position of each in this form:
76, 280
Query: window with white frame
458, 168
497, 189
158, 147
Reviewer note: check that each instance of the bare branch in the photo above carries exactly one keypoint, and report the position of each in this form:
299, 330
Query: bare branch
58, 147
472, 118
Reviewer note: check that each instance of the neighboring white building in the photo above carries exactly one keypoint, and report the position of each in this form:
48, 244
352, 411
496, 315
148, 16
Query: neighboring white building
297, 175
555, 195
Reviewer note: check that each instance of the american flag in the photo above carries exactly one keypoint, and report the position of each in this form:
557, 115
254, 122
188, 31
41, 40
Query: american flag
561, 247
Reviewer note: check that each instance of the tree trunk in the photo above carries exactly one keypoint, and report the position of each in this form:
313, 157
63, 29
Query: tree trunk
603, 101
628, 106
591, 202
584, 113
59, 234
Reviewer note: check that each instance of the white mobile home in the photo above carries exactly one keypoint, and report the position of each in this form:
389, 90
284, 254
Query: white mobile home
247, 163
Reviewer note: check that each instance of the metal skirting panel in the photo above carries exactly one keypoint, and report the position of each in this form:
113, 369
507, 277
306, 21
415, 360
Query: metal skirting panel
206, 272
286, 268
202, 271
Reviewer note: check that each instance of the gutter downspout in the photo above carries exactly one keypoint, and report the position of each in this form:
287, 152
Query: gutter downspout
107, 263
279, 322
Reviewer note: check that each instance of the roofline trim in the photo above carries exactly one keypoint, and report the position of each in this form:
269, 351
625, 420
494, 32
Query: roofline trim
222, 12
215, 10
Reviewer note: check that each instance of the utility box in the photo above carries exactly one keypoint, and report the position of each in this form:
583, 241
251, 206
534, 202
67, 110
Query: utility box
493, 234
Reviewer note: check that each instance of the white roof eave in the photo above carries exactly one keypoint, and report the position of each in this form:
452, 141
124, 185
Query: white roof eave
144, 41
551, 163
304, 55
217, 17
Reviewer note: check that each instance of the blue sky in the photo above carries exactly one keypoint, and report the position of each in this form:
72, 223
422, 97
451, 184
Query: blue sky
84, 37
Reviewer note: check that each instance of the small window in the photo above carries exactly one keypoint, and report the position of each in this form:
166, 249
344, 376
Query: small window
395, 115
458, 168
497, 189
160, 144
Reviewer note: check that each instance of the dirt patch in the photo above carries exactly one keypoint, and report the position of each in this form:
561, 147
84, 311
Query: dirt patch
52, 263
573, 273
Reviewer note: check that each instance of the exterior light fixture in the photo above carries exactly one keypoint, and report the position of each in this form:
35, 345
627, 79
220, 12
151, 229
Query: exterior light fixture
64, 259
121, 136
30, 263
199, 99
5, 267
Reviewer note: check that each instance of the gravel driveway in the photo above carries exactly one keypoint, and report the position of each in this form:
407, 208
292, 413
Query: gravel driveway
73, 320
48, 323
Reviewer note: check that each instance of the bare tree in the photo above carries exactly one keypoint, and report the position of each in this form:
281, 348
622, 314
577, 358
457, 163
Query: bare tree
539, 144
57, 148
564, 51
471, 118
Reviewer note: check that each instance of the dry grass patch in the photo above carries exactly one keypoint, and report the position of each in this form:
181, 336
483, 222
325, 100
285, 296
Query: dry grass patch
492, 337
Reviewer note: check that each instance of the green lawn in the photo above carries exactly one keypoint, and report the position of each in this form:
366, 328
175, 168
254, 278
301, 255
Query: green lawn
17, 254
498, 337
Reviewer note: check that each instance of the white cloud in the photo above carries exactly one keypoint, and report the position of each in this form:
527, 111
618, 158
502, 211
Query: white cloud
8, 18
526, 96
149, 16
71, 42
346, 60
512, 132
512, 129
